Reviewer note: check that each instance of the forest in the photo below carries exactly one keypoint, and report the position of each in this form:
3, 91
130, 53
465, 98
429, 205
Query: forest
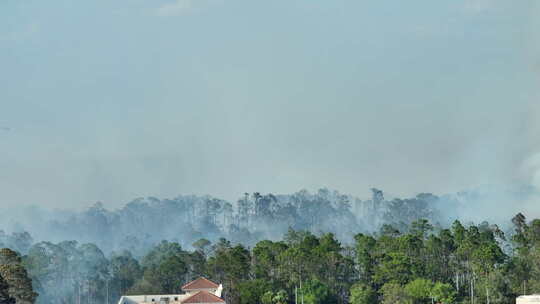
143, 222
270, 249
458, 264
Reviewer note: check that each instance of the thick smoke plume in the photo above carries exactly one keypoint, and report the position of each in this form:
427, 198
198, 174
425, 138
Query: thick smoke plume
144, 222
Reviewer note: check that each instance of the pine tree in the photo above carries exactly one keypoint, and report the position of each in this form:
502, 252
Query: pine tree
5, 298
13, 272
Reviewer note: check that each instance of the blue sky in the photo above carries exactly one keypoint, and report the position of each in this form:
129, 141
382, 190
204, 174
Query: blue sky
111, 100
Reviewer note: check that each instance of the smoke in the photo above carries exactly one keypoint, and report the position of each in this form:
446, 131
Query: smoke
533, 166
144, 222
201, 103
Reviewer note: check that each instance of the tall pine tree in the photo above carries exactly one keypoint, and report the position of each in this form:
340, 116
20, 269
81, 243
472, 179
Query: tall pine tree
16, 277
5, 298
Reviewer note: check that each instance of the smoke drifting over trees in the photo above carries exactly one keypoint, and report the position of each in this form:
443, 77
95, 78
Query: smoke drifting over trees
457, 264
143, 222
154, 245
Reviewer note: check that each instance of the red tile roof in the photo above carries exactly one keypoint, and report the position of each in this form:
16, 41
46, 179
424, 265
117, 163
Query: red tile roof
203, 297
200, 283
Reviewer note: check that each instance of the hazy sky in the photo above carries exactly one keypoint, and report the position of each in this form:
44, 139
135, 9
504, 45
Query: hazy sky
110, 100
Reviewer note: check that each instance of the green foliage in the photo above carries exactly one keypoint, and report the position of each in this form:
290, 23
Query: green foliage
281, 297
161, 252
66, 271
393, 267
424, 264
266, 257
315, 292
125, 271
421, 228
230, 265
365, 246
164, 270
362, 294
171, 274
419, 290
254, 291
394, 293
267, 298
443, 293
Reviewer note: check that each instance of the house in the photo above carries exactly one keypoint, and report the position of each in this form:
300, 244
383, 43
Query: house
200, 291
532, 299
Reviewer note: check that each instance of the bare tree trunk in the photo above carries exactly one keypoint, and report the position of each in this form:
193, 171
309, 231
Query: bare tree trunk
472, 284
472, 290
302, 291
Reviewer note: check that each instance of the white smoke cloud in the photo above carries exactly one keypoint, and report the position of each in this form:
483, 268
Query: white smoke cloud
175, 8
531, 169
182, 7
479, 6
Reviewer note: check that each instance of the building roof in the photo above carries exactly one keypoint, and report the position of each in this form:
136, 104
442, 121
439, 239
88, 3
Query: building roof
203, 297
200, 283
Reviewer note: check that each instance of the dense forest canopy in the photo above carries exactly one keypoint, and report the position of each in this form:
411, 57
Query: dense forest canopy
456, 264
325, 247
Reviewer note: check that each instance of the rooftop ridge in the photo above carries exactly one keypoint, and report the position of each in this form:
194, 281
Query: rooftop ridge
200, 283
203, 297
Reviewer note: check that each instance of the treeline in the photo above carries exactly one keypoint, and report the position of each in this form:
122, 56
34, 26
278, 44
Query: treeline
254, 217
459, 264
143, 222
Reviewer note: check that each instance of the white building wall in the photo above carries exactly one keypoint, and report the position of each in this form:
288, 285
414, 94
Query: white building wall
533, 299
148, 299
